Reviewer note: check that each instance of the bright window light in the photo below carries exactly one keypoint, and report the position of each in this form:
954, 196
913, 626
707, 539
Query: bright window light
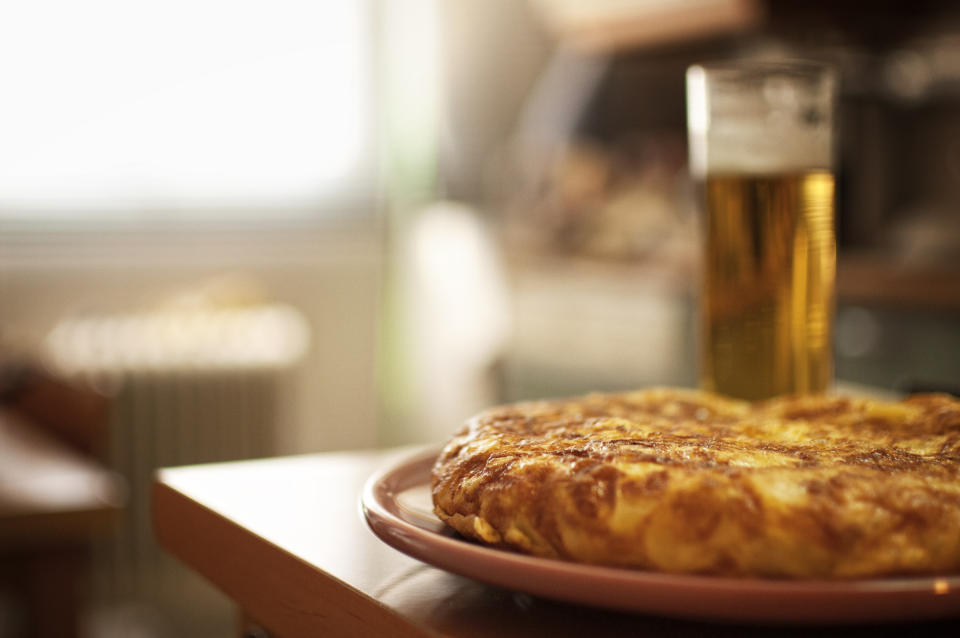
120, 105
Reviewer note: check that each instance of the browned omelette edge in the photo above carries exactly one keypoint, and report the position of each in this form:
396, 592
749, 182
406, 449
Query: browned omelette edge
579, 479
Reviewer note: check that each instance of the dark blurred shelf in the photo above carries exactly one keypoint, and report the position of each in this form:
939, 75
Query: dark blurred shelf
877, 280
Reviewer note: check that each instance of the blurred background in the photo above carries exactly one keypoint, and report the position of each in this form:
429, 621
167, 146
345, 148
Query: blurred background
241, 229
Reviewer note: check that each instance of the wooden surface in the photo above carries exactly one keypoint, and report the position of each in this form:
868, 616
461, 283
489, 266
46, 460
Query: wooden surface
285, 539
608, 26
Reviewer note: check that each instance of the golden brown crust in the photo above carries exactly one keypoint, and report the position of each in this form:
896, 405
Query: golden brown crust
685, 481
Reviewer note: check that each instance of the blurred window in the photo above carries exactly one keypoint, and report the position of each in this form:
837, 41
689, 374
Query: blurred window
227, 107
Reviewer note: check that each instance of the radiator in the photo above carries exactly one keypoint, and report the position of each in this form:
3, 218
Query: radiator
169, 418
188, 388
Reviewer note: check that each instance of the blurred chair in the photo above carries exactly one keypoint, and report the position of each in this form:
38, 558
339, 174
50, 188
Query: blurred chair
54, 497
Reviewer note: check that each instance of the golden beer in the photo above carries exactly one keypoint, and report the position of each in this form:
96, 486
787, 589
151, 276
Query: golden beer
768, 284
761, 147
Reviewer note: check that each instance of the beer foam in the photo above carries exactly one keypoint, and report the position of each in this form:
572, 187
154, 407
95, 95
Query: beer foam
754, 122
729, 149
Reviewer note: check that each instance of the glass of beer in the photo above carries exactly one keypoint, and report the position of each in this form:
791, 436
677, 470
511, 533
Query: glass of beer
761, 155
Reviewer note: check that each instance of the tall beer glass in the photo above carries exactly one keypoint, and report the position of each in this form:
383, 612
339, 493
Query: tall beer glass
761, 154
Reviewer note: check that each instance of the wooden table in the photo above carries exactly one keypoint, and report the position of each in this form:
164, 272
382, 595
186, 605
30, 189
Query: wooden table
284, 538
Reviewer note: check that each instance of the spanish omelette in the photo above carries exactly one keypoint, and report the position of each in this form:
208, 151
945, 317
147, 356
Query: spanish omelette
685, 481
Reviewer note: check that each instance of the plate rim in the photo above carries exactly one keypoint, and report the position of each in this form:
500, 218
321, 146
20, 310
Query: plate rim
847, 601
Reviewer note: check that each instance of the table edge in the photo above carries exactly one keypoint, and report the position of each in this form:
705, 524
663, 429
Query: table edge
276, 588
